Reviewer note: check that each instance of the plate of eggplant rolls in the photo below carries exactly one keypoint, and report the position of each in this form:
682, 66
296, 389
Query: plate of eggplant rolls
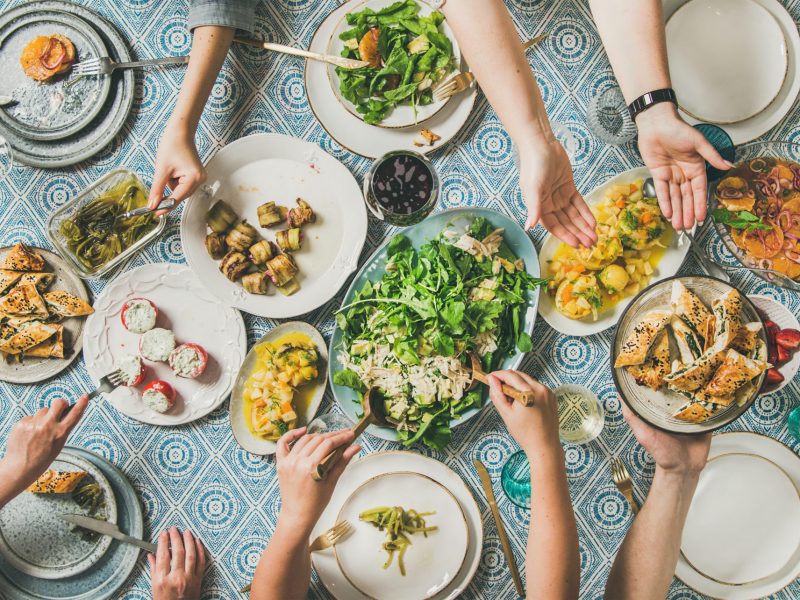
279, 231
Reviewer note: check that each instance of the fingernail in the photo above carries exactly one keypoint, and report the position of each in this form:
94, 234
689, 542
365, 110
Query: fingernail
729, 163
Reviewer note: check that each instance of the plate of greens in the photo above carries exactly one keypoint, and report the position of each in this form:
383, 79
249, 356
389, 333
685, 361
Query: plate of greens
463, 280
410, 50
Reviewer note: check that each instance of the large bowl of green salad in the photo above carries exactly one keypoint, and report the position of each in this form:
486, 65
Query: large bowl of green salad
463, 280
409, 48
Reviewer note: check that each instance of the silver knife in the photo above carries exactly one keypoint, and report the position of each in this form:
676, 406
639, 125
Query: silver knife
109, 529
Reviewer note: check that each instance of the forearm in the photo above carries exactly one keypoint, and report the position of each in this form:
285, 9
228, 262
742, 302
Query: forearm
210, 45
633, 37
552, 563
284, 570
11, 484
490, 43
645, 564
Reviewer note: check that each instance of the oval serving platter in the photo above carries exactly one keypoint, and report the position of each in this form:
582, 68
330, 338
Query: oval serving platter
374, 268
247, 439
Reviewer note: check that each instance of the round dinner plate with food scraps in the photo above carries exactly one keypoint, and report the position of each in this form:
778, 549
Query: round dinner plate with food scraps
247, 439
782, 103
102, 580
657, 407
32, 369
188, 309
271, 167
61, 106
103, 128
350, 131
38, 542
741, 540
375, 465
670, 262
403, 115
431, 561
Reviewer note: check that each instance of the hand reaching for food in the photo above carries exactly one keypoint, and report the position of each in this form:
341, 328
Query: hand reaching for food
528, 425
178, 167
550, 194
178, 566
676, 155
35, 442
303, 498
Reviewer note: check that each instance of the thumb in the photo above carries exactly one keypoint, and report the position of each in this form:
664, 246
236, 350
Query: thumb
534, 205
710, 154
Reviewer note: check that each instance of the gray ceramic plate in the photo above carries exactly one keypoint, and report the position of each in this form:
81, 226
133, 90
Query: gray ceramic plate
64, 105
657, 407
106, 576
33, 370
246, 439
38, 542
105, 126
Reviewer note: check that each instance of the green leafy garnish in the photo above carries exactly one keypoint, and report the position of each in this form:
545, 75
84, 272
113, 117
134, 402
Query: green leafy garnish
740, 220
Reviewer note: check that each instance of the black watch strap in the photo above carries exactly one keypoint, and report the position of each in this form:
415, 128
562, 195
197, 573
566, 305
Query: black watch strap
649, 99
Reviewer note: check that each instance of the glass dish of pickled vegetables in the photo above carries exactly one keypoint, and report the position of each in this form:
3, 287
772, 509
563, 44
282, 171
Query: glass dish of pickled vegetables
89, 232
635, 245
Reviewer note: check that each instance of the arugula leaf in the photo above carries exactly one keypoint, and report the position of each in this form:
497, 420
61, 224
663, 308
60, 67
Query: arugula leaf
740, 220
524, 342
349, 378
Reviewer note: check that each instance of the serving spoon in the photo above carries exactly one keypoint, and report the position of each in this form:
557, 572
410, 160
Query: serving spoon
373, 415
477, 375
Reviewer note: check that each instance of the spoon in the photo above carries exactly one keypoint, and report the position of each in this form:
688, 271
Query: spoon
373, 415
477, 375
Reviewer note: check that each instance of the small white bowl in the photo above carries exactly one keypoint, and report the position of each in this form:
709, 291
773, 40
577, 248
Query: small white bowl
783, 318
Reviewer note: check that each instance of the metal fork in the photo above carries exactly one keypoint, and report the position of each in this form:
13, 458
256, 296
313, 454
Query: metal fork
462, 81
106, 66
108, 383
622, 479
324, 541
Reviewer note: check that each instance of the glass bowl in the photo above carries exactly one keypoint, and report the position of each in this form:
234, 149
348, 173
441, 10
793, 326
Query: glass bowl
97, 189
658, 407
774, 149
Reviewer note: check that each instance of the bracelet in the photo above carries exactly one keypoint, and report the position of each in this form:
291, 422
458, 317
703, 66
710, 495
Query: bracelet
649, 99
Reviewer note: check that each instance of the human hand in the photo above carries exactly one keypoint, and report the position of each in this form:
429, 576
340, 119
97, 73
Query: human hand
549, 191
176, 570
34, 443
676, 154
685, 454
528, 425
178, 167
303, 499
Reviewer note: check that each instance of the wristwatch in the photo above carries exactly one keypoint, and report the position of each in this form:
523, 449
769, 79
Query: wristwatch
649, 99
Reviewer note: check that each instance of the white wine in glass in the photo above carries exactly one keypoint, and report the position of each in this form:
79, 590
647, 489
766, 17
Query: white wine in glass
580, 414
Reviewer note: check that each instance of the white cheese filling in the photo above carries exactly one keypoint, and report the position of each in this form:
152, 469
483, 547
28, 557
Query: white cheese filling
156, 344
156, 400
186, 361
131, 367
140, 316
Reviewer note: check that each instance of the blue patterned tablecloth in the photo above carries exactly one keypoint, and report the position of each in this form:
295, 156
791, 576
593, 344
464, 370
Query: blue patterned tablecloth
196, 476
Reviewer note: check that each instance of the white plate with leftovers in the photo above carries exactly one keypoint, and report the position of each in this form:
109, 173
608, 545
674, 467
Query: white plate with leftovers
179, 347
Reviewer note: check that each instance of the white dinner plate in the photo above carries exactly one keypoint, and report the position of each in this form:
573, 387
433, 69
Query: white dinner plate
431, 562
350, 131
403, 115
742, 534
670, 262
757, 125
244, 436
377, 464
785, 319
272, 167
187, 308
718, 81
30, 518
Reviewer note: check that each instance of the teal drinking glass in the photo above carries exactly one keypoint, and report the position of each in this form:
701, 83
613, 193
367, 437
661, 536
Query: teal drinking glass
516, 480
794, 423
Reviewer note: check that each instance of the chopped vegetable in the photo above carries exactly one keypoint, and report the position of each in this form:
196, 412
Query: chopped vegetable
261, 252
220, 217
301, 215
289, 239
256, 283
241, 237
233, 265
215, 245
269, 214
281, 269
398, 524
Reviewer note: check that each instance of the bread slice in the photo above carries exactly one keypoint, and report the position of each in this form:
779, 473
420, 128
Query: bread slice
635, 349
22, 258
57, 482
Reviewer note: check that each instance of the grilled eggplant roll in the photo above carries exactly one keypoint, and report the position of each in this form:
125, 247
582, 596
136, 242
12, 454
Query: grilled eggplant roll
301, 215
233, 265
270, 214
215, 245
262, 251
281, 269
289, 239
289, 288
220, 217
241, 237
256, 283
